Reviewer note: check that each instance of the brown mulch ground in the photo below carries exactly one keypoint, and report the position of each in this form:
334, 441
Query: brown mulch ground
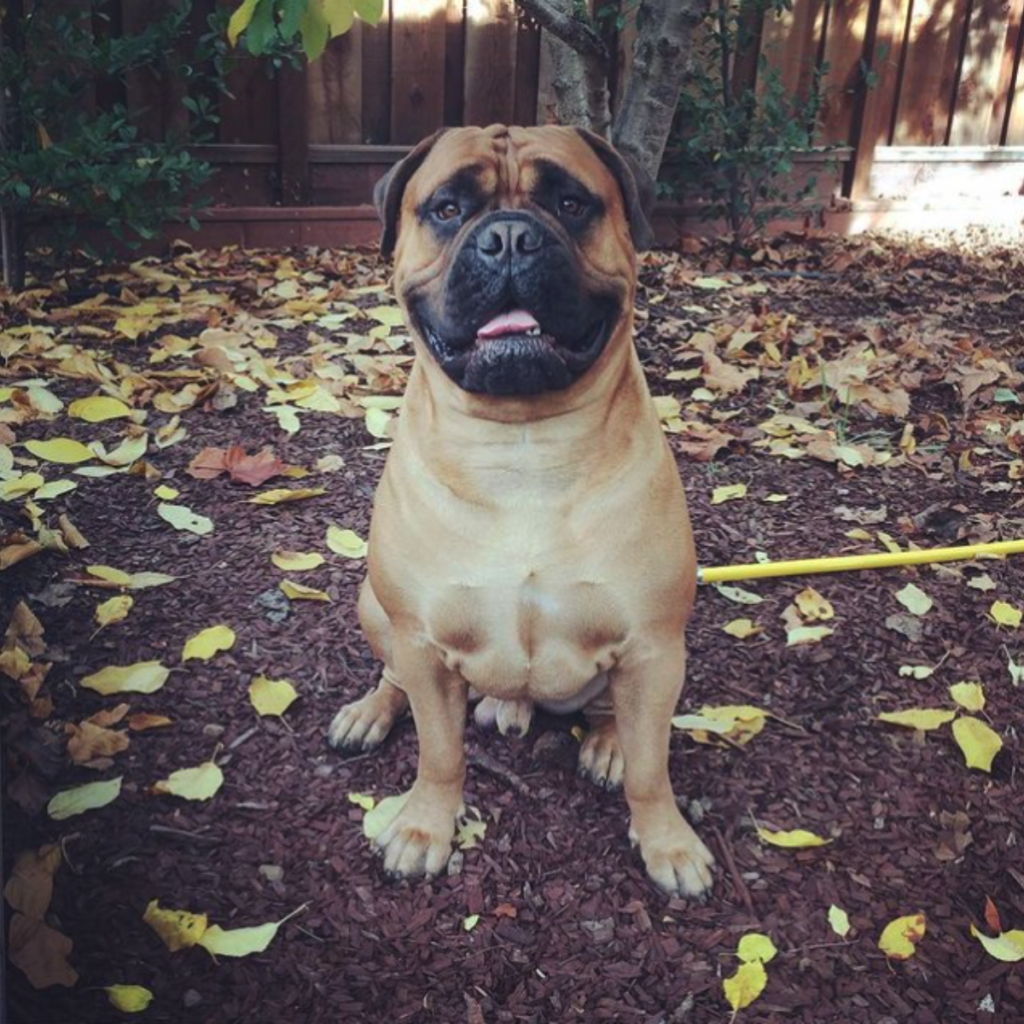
570, 929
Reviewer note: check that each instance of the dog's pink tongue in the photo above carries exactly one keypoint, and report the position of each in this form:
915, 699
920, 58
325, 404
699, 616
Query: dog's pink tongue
517, 321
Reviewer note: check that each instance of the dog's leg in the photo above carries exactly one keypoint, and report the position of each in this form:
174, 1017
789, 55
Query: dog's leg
645, 688
365, 723
601, 759
419, 840
510, 717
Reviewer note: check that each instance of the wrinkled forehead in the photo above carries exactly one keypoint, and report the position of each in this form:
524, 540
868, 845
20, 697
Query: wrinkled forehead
511, 161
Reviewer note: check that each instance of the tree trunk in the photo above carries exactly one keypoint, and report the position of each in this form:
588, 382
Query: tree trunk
12, 224
661, 60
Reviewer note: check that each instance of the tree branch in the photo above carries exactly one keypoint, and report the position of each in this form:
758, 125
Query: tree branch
576, 34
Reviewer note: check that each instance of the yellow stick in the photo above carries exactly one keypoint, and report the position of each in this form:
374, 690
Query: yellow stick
846, 563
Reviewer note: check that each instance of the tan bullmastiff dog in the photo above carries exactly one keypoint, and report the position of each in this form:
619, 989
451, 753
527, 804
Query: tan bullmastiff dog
530, 541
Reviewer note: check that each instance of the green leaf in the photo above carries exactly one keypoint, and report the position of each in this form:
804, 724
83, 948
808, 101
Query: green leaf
315, 32
370, 11
340, 15
260, 35
240, 20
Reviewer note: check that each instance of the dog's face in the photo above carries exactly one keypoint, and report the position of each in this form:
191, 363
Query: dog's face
514, 253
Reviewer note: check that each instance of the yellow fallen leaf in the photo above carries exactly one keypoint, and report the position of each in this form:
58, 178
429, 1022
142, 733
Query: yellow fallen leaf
470, 922
915, 600
924, 719
839, 921
776, 499
54, 489
142, 677
916, 671
756, 948
271, 696
115, 609
129, 998
668, 407
796, 839
282, 494
813, 606
165, 493
1006, 614
363, 800
857, 533
208, 642
20, 486
129, 580
378, 819
378, 423
183, 518
390, 316
144, 720
970, 696
98, 409
299, 592
745, 985
346, 543
80, 799
728, 492
807, 635
63, 450
242, 941
110, 574
297, 561
979, 742
900, 937
738, 594
1008, 947
739, 723
199, 783
468, 833
741, 628
178, 929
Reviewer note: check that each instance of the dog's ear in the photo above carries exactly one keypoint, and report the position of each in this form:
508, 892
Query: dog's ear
387, 193
635, 184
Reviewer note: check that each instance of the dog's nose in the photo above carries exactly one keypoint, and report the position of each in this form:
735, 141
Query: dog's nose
501, 238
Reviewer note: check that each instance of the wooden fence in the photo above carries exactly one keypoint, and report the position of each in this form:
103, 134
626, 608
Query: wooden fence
911, 84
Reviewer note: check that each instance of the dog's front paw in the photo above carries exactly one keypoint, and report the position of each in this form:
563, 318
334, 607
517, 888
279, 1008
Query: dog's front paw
601, 758
675, 857
365, 723
419, 840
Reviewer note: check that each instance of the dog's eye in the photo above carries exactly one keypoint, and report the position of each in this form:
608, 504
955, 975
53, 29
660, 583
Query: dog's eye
447, 210
571, 206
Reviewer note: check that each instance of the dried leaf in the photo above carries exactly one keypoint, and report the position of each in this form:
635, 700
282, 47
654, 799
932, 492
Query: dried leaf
29, 888
728, 492
144, 720
277, 497
915, 600
839, 921
98, 409
900, 937
916, 671
738, 594
129, 998
199, 783
756, 948
979, 742
924, 719
208, 642
1008, 946
299, 592
745, 985
363, 800
807, 635
271, 696
178, 929
742, 628
1006, 614
346, 543
970, 696
813, 606
142, 677
41, 952
80, 799
62, 450
795, 839
113, 610
297, 561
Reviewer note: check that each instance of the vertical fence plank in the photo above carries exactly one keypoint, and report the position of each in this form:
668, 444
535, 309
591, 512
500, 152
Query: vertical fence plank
975, 102
376, 81
335, 91
490, 61
880, 102
933, 49
1001, 109
844, 52
791, 43
418, 30
293, 135
455, 63
1014, 135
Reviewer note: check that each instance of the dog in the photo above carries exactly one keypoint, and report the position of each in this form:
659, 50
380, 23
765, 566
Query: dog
530, 541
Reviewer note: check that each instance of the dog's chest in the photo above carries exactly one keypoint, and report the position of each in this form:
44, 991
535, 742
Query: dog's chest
539, 634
